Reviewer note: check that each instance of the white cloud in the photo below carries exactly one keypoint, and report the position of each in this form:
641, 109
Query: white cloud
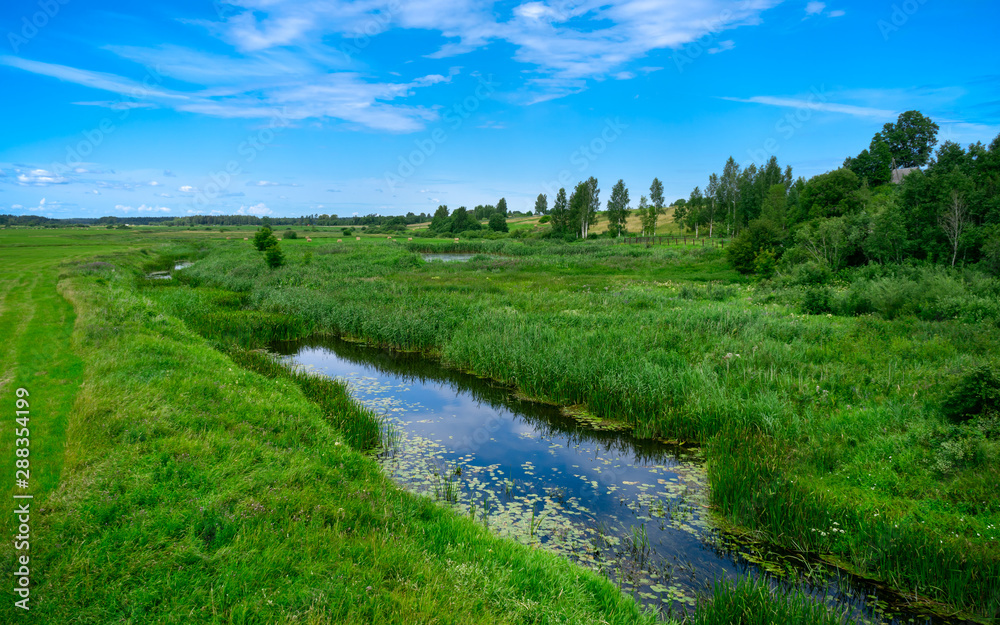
286, 56
257, 209
837, 13
814, 8
818, 105
120, 105
728, 44
39, 178
186, 189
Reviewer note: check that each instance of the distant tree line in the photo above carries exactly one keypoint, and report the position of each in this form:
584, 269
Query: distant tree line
464, 220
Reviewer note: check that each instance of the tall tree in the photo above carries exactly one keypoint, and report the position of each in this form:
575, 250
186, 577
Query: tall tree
774, 204
656, 204
560, 213
542, 204
644, 214
873, 165
589, 212
680, 211
461, 221
695, 211
502, 207
618, 208
715, 197
656, 193
770, 174
954, 221
749, 197
440, 221
498, 223
831, 194
911, 139
579, 206
729, 191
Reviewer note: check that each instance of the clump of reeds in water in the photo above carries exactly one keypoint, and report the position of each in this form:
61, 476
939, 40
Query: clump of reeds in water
752, 602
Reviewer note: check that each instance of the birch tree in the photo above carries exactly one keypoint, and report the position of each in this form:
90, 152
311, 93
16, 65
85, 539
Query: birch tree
954, 221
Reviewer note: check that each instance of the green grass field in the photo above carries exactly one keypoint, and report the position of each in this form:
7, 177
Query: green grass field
172, 485
174, 482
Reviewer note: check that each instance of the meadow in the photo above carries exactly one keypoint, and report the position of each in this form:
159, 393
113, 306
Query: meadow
185, 478
824, 428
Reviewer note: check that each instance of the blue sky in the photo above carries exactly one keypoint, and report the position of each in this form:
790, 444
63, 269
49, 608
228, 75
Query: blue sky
287, 107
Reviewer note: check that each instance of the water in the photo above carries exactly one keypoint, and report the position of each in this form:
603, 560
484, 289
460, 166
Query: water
635, 510
451, 258
165, 275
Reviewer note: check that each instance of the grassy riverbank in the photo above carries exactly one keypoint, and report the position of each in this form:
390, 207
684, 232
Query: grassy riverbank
187, 489
825, 431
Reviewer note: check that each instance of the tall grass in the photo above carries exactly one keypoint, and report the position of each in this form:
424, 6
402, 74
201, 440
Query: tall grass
847, 407
751, 602
362, 428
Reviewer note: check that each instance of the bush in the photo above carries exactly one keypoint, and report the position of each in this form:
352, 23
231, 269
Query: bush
764, 264
274, 257
811, 273
973, 394
760, 235
291, 234
816, 301
893, 297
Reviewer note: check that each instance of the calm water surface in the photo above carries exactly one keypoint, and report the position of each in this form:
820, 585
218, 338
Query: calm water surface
635, 510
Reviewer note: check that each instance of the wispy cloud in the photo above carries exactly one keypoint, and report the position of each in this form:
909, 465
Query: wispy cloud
283, 57
817, 105
269, 183
143, 208
313, 93
728, 44
815, 8
819, 8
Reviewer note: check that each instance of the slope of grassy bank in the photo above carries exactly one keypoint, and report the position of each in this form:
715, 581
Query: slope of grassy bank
193, 490
825, 432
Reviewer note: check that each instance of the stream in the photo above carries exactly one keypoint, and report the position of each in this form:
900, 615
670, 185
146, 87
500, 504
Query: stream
635, 510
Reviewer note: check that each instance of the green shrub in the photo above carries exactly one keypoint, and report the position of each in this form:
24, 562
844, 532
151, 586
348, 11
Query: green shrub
893, 297
274, 257
816, 301
764, 264
743, 251
811, 273
973, 394
291, 234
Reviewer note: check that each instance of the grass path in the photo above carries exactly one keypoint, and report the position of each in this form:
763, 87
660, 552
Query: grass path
36, 323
